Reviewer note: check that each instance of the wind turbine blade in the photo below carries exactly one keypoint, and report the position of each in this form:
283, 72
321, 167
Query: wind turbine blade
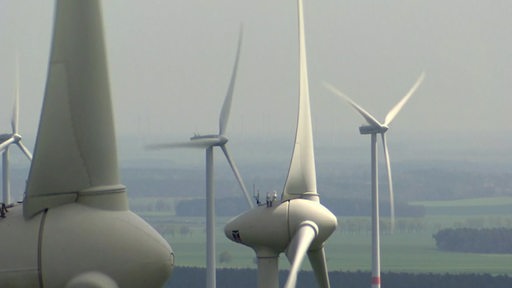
297, 249
390, 182
226, 107
75, 148
301, 180
319, 265
15, 110
6, 143
367, 116
237, 176
394, 111
197, 144
303, 63
25, 150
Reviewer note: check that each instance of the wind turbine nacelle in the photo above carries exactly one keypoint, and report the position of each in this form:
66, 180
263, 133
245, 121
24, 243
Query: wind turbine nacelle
75, 245
262, 228
269, 230
210, 140
78, 239
370, 129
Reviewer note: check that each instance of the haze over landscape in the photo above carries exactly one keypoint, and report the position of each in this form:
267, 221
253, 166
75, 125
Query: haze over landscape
170, 64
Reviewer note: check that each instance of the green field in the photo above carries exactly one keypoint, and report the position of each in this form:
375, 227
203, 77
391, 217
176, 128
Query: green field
400, 253
473, 207
412, 251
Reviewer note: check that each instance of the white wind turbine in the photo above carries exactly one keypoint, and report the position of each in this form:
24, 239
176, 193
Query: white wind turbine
8, 139
373, 128
208, 142
298, 224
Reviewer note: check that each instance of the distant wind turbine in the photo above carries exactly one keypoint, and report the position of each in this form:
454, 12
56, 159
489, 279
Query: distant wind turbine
373, 128
208, 142
8, 139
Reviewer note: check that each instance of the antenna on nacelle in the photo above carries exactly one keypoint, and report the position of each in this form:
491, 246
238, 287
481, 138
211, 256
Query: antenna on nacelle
256, 195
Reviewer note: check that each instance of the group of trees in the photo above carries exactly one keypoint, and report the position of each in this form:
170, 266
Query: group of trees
196, 277
423, 180
363, 225
485, 240
224, 207
338, 206
173, 229
153, 205
362, 207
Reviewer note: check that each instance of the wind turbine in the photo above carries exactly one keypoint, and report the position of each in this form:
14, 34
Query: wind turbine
373, 128
74, 227
208, 142
8, 139
298, 224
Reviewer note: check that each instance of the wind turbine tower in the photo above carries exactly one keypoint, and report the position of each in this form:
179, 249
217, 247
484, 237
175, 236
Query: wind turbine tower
208, 142
373, 128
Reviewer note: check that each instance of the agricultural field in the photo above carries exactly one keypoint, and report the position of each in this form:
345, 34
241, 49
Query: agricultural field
410, 248
469, 207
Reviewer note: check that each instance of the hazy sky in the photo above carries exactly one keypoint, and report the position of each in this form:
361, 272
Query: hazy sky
170, 63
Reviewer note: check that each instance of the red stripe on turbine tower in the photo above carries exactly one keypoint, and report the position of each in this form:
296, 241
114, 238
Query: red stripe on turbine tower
375, 280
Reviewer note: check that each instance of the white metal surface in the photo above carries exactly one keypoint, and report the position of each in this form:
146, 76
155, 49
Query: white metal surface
75, 228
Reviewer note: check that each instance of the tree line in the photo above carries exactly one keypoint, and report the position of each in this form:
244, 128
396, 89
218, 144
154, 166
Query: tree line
338, 206
362, 207
191, 277
485, 240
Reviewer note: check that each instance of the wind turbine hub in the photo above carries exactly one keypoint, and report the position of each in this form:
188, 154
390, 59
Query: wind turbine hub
222, 140
16, 137
302, 211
